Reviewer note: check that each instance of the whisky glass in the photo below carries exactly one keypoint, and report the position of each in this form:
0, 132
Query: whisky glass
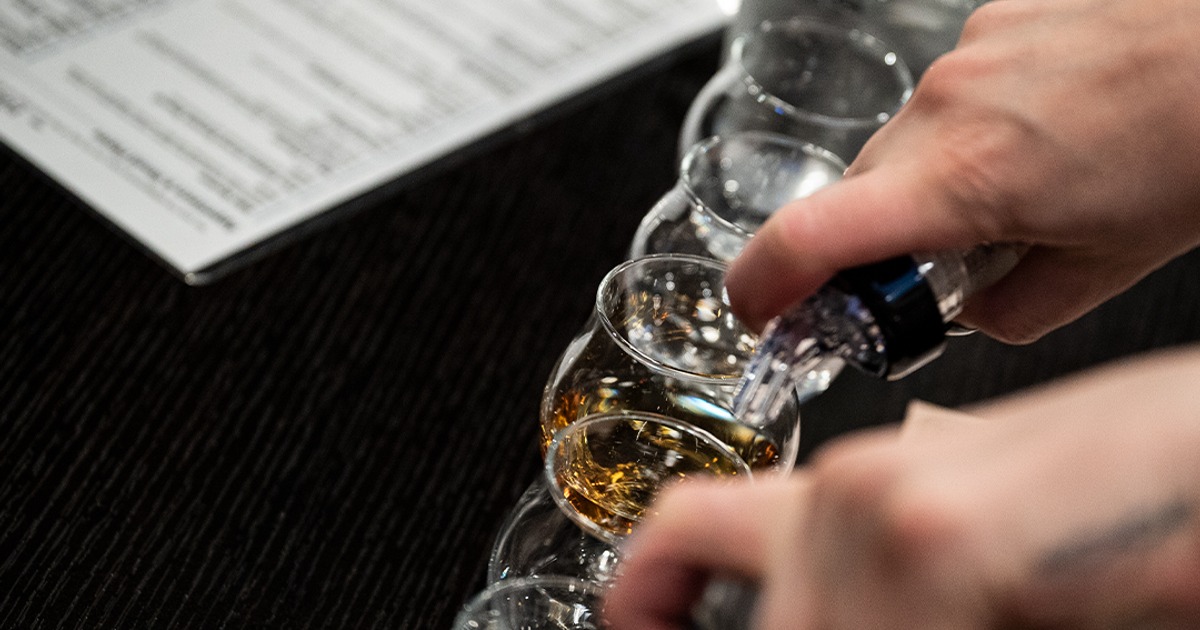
605, 470
662, 340
728, 186
537, 538
920, 30
534, 603
823, 78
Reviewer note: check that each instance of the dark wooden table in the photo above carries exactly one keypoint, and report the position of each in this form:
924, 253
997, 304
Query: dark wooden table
331, 436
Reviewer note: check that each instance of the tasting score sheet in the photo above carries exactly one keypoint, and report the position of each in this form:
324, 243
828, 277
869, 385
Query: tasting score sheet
205, 128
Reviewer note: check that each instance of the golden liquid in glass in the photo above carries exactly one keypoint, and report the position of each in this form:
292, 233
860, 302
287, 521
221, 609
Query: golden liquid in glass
603, 378
615, 481
612, 477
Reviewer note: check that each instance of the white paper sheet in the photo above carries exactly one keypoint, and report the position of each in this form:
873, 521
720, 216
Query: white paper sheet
205, 127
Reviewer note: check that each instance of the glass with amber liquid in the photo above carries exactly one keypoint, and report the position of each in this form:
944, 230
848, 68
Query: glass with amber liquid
661, 341
605, 470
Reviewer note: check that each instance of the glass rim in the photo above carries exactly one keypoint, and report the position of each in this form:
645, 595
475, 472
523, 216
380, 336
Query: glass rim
654, 364
589, 526
478, 603
707, 144
859, 36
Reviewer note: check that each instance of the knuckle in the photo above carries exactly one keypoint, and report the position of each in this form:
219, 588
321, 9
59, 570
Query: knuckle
953, 77
844, 476
918, 526
940, 83
849, 480
907, 524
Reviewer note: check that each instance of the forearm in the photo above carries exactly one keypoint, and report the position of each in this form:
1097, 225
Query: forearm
1136, 554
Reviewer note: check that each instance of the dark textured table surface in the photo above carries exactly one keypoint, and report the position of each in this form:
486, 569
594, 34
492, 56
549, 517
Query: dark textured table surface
331, 436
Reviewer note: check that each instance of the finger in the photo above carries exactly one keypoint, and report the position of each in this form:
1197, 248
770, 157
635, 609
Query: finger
698, 529
884, 212
1046, 290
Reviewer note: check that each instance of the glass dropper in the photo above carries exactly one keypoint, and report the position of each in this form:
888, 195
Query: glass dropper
886, 319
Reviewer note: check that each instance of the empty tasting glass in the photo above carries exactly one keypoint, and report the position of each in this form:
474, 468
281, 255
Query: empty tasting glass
661, 340
534, 603
824, 79
920, 30
728, 186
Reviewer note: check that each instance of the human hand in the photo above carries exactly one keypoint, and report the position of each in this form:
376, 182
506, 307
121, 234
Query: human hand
1070, 126
1077, 506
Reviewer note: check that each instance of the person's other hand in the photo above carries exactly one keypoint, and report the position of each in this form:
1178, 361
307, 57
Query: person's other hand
1077, 506
1071, 126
